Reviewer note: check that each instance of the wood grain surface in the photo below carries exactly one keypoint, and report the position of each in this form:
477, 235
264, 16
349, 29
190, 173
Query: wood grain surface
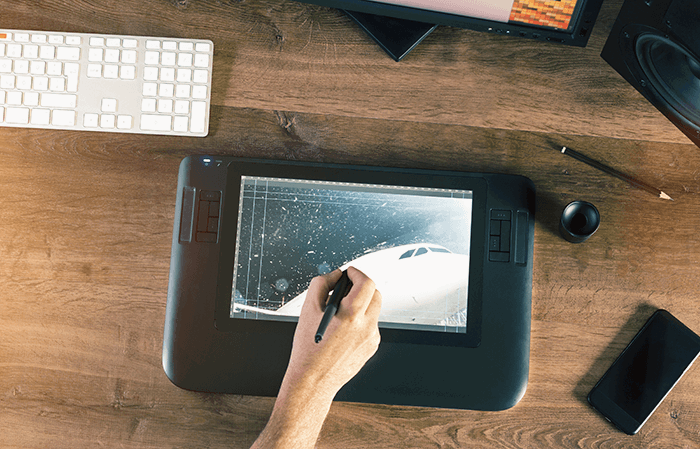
86, 222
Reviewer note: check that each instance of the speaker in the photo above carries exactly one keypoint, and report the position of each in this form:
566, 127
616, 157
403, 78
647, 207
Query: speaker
655, 46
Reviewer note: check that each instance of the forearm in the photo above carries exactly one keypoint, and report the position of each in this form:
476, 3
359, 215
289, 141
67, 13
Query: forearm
297, 418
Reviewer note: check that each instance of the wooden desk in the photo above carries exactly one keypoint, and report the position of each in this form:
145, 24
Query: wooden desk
86, 221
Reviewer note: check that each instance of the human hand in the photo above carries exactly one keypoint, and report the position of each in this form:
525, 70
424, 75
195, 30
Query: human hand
316, 371
352, 336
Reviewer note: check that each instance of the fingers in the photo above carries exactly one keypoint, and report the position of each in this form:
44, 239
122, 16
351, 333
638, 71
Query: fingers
363, 297
320, 286
360, 296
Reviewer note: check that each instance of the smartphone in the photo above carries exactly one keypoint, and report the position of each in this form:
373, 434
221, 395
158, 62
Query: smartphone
646, 371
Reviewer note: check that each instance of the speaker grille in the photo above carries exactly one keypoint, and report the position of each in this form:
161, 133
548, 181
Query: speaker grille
672, 71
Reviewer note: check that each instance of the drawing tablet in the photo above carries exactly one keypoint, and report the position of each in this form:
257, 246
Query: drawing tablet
451, 253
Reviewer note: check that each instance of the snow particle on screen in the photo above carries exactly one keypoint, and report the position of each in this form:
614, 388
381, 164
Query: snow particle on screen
281, 285
324, 268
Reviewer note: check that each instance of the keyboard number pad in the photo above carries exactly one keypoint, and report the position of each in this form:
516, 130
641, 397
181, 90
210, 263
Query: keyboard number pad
175, 89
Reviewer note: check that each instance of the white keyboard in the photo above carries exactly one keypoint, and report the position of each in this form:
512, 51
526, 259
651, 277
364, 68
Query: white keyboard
98, 82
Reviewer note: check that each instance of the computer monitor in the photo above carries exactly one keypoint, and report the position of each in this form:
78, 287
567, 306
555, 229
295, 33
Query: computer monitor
560, 21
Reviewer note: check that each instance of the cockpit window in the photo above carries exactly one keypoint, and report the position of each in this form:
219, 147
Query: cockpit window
407, 254
440, 250
421, 251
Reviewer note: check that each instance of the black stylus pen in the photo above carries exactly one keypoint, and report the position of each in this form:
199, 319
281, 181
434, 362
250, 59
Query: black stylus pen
339, 291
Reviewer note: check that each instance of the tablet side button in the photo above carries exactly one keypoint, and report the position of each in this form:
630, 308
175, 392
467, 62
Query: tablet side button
186, 220
521, 236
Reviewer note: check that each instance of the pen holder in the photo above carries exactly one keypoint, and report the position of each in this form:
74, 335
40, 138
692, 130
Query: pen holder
579, 221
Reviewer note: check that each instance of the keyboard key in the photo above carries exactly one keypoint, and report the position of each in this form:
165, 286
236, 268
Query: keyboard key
94, 70
37, 67
14, 98
24, 82
63, 118
150, 73
40, 83
91, 120
68, 53
54, 68
109, 105
21, 66
166, 90
182, 107
7, 81
201, 60
31, 51
40, 116
199, 111
168, 58
57, 84
180, 124
107, 121
111, 55
151, 57
47, 52
31, 98
184, 75
72, 71
182, 91
50, 100
150, 89
165, 106
18, 116
184, 59
127, 72
199, 92
95, 55
125, 122
111, 71
129, 56
200, 76
156, 122
148, 105
14, 50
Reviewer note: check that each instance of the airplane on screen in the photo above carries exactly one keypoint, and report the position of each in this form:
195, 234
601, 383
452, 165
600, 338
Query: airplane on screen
420, 284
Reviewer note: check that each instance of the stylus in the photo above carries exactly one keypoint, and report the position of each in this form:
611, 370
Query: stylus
611, 171
339, 291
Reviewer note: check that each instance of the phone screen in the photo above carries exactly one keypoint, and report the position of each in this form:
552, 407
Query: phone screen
645, 372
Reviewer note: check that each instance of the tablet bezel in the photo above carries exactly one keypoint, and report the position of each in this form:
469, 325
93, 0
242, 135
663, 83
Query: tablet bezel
364, 175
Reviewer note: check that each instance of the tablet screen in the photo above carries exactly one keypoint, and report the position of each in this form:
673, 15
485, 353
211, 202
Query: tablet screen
414, 242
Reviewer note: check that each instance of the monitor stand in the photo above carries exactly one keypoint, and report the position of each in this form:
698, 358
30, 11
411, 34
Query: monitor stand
396, 36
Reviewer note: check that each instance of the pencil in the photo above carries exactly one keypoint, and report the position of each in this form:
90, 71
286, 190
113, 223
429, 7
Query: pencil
611, 171
339, 291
